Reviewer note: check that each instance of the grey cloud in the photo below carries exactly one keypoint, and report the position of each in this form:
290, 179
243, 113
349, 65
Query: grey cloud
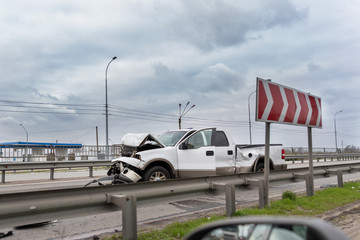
167, 80
43, 96
218, 78
168, 86
312, 67
212, 24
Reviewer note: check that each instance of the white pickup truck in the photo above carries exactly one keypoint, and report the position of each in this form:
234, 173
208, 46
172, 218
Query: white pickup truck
189, 153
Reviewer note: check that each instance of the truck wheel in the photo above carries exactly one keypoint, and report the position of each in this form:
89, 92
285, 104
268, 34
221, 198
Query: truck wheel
156, 173
260, 167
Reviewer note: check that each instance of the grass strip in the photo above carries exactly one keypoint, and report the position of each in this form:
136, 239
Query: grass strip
323, 200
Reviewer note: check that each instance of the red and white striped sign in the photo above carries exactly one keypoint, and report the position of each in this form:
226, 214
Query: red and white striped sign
280, 104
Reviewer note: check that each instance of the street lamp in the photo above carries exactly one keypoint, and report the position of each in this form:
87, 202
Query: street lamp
249, 114
181, 114
106, 109
335, 129
27, 142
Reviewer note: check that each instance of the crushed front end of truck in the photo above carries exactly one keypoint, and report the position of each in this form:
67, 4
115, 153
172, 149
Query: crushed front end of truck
128, 167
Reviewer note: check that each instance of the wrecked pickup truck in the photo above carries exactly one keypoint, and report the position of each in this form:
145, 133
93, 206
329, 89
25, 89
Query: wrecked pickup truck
187, 153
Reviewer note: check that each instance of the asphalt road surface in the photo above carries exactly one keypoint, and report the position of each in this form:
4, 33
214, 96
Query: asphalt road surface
149, 217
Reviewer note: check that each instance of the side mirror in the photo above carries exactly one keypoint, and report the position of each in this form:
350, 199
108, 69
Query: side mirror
183, 145
268, 227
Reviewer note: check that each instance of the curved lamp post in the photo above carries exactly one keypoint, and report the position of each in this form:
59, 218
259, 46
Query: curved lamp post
181, 114
335, 129
27, 142
106, 109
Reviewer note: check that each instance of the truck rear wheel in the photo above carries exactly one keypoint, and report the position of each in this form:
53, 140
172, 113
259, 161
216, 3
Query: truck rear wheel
156, 173
260, 167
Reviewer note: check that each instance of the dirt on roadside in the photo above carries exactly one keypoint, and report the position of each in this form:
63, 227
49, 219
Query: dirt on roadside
345, 218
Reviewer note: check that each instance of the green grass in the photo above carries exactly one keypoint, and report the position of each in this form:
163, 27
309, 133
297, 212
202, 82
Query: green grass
178, 230
321, 202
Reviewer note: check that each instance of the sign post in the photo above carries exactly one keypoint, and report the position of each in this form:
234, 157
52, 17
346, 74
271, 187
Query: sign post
267, 162
276, 103
311, 172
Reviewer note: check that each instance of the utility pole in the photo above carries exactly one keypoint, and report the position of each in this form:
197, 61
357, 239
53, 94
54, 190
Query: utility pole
97, 143
335, 129
249, 115
27, 142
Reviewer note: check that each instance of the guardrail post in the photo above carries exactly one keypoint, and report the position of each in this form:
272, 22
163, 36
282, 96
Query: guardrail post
3, 176
339, 177
129, 218
308, 182
262, 196
91, 173
229, 196
52, 170
230, 199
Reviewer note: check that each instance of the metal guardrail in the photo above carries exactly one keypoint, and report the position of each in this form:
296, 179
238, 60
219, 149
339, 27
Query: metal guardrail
40, 206
15, 166
325, 157
52, 165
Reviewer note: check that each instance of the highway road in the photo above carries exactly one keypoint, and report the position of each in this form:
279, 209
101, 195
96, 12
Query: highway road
149, 216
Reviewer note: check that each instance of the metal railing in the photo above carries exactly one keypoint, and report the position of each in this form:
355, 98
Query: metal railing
52, 165
93, 152
86, 152
16, 166
324, 157
41, 206
302, 150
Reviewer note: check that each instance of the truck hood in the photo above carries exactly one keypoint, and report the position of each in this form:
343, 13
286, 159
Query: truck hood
137, 142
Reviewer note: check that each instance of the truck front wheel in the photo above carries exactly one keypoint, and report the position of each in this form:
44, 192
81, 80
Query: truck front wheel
156, 173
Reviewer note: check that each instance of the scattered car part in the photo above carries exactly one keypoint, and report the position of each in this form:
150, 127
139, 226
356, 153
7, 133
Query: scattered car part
116, 176
9, 233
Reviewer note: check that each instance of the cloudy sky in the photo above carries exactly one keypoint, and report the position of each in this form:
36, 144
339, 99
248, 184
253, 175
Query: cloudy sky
54, 55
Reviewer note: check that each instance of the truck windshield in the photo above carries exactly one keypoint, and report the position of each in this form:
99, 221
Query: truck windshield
170, 138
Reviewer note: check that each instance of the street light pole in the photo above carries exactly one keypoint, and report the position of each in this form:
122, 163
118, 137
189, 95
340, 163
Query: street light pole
106, 109
181, 114
335, 129
249, 114
27, 142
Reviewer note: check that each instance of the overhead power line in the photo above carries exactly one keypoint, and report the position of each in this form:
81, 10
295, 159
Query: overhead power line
132, 113
57, 104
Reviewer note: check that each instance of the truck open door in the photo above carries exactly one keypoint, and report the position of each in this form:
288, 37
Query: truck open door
196, 155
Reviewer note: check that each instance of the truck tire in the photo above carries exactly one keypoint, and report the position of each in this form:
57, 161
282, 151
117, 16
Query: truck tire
156, 173
260, 167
